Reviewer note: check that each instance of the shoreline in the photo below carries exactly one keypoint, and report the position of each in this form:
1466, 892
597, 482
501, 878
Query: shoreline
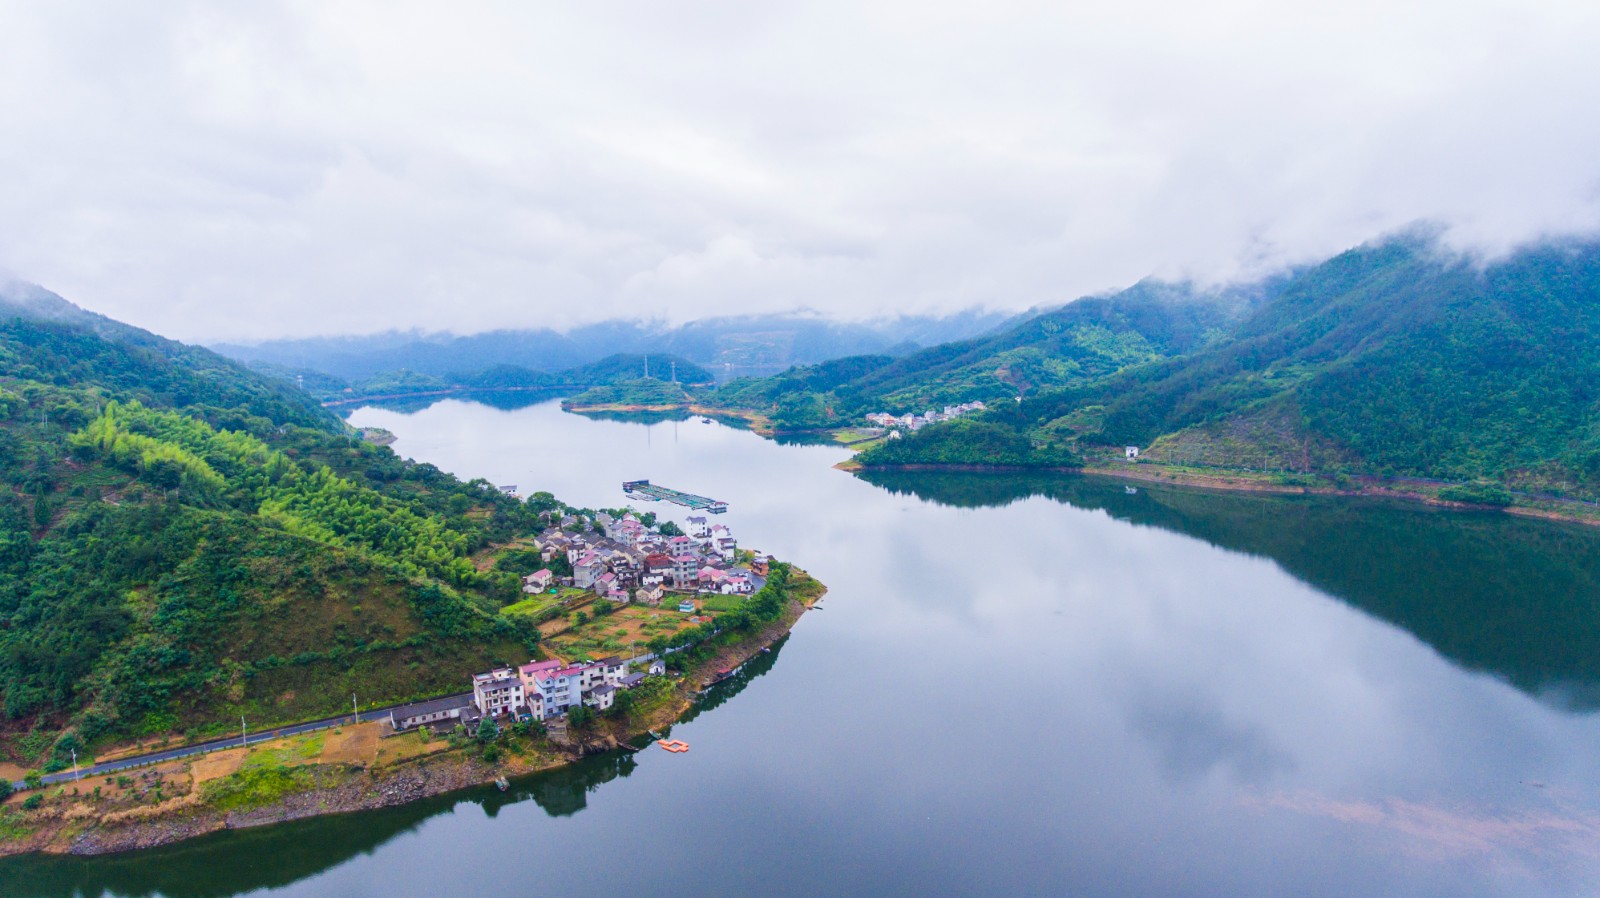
1232, 482
82, 830
758, 423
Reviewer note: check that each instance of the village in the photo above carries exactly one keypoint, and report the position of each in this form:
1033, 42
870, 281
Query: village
618, 561
896, 423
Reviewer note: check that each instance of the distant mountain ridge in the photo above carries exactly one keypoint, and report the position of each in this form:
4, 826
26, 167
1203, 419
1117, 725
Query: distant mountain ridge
739, 344
1081, 341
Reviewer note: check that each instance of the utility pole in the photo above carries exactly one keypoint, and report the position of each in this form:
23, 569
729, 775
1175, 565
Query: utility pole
355, 708
674, 370
244, 734
647, 367
75, 764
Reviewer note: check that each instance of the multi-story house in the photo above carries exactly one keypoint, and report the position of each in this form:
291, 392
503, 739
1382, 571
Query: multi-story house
685, 570
558, 688
586, 570
497, 692
657, 568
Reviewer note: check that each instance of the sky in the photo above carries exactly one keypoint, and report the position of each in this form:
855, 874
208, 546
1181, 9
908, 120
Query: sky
244, 171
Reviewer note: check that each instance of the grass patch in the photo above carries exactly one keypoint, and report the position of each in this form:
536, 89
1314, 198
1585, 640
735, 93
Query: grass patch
254, 787
532, 605
300, 751
719, 603
13, 827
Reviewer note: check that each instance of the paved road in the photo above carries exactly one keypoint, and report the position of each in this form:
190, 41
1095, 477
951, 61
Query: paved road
201, 748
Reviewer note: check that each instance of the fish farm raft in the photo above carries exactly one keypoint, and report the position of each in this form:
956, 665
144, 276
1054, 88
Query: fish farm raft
660, 493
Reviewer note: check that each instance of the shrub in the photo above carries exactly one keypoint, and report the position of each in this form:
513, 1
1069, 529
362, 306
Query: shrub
1478, 493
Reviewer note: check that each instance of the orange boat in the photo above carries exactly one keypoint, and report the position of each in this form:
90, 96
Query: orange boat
673, 745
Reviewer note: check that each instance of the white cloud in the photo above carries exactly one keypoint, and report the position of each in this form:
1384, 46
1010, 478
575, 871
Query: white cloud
230, 172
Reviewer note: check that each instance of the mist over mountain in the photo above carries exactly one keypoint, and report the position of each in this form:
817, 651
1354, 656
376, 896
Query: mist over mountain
1396, 358
728, 346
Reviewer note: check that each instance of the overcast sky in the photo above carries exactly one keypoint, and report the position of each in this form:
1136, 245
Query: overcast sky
236, 170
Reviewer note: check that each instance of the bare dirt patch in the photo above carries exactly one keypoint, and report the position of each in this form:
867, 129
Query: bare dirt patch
216, 765
355, 745
409, 745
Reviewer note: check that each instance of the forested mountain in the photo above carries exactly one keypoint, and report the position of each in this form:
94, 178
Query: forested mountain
1396, 358
632, 366
611, 370
183, 541
1076, 343
737, 344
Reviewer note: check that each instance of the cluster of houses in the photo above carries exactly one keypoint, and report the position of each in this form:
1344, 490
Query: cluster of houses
538, 690
621, 560
917, 422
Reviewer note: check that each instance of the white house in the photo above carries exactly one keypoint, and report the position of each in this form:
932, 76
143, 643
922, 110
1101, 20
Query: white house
1131, 452
538, 581
601, 697
557, 688
684, 570
497, 692
586, 570
612, 670
432, 713
698, 527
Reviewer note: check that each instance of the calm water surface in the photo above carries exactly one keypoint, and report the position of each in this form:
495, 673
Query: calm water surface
1023, 685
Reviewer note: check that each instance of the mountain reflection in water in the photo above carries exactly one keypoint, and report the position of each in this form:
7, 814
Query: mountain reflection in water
1515, 597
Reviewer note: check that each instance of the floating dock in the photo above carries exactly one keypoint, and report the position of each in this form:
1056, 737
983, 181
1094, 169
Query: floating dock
663, 494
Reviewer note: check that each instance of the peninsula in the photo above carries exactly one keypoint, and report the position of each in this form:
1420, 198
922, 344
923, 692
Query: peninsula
192, 554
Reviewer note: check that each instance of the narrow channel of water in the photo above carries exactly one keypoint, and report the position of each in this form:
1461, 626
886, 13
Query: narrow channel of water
1023, 685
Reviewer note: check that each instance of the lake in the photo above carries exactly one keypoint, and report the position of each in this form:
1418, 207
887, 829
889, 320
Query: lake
1021, 685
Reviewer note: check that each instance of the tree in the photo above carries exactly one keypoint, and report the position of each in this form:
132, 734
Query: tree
5, 788
580, 716
487, 730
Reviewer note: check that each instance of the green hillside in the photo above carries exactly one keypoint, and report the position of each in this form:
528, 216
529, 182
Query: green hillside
1391, 359
183, 541
1082, 342
623, 367
610, 371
